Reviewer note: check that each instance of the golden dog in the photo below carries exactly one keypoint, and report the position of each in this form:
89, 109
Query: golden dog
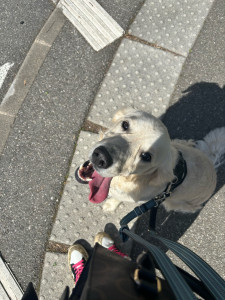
135, 160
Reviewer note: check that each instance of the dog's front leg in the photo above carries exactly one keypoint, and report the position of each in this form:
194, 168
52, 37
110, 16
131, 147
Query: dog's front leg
111, 205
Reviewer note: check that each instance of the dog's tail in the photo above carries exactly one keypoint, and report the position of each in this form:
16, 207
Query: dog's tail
213, 145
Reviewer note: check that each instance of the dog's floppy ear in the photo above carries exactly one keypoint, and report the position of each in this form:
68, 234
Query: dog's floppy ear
121, 113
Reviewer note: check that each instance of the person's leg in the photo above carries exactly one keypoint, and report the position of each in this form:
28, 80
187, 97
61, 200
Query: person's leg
107, 242
78, 261
30, 293
77, 258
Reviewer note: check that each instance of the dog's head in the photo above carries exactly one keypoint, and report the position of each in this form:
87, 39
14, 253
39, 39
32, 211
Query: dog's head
136, 144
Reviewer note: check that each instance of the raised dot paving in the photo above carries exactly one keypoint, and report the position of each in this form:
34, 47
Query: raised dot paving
140, 76
55, 276
171, 24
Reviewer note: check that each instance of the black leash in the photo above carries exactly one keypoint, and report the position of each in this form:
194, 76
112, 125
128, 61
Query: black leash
180, 173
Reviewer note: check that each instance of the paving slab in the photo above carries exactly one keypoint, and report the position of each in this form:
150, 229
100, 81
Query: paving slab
140, 76
171, 24
205, 236
197, 104
9, 287
55, 276
3, 293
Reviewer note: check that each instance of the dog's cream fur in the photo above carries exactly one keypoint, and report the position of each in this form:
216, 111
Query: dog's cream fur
135, 180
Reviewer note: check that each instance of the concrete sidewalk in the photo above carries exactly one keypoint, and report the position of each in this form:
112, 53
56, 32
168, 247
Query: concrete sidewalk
170, 47
141, 75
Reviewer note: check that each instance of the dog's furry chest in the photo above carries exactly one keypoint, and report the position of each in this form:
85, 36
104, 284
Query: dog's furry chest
127, 190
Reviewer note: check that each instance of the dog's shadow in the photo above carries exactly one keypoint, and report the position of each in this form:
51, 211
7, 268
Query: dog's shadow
199, 110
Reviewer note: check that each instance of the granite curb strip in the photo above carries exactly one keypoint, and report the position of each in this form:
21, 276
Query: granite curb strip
28, 72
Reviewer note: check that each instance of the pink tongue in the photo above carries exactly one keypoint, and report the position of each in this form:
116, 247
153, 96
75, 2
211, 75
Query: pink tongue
99, 187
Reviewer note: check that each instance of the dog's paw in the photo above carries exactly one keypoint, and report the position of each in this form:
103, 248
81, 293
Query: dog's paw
111, 205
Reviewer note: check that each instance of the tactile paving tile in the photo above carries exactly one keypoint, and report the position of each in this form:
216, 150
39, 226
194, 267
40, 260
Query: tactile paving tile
141, 77
77, 217
93, 22
55, 277
171, 24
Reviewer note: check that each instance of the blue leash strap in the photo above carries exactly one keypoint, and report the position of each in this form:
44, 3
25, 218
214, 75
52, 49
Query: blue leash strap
152, 219
137, 211
212, 280
143, 208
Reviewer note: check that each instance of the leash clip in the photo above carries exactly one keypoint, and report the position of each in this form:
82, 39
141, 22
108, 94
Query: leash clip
169, 187
160, 198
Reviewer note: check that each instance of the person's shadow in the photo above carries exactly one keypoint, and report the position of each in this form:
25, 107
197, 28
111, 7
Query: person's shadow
199, 110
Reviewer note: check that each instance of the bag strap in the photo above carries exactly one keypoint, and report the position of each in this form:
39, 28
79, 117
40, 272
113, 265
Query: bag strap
177, 284
212, 280
196, 285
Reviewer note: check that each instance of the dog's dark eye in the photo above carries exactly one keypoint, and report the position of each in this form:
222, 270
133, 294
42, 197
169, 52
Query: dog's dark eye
146, 156
125, 125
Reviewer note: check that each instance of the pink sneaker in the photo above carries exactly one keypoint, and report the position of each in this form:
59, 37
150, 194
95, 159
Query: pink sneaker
77, 257
106, 241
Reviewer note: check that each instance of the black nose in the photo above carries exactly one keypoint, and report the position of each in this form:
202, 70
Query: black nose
101, 158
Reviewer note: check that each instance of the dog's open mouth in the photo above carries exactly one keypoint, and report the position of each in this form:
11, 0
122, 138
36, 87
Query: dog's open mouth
84, 173
99, 186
